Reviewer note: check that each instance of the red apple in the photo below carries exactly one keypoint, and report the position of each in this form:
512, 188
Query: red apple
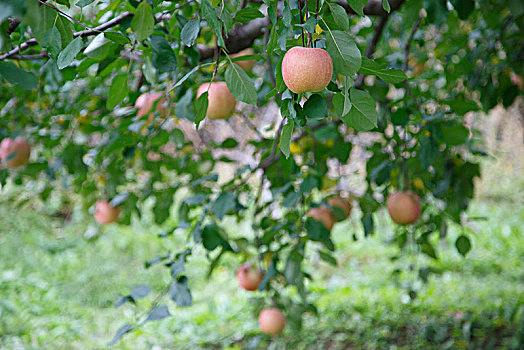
404, 207
306, 69
248, 64
249, 276
221, 102
14, 153
272, 321
145, 102
105, 213
342, 203
324, 215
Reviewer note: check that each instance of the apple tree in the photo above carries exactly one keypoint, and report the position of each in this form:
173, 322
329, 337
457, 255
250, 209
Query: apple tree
110, 97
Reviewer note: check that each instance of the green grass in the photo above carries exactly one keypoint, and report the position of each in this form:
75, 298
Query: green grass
58, 288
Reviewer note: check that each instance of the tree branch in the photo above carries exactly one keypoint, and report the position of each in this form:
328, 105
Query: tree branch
379, 29
374, 7
83, 34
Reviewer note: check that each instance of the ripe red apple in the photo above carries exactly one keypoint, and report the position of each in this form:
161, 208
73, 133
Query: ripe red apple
324, 215
272, 321
145, 102
14, 153
249, 276
404, 207
248, 64
341, 203
105, 213
306, 69
221, 102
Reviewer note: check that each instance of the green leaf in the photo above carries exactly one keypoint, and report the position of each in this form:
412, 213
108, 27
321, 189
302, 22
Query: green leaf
118, 38
363, 114
310, 24
241, 85
143, 21
358, 6
212, 238
292, 270
211, 17
454, 133
463, 7
316, 107
223, 204
157, 313
65, 27
68, 55
52, 42
344, 52
392, 76
163, 203
385, 5
341, 104
327, 257
121, 331
164, 58
340, 15
179, 292
201, 108
280, 85
117, 91
15, 75
463, 245
84, 3
190, 31
285, 139
247, 14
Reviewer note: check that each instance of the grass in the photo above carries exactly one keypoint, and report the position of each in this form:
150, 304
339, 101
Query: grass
58, 288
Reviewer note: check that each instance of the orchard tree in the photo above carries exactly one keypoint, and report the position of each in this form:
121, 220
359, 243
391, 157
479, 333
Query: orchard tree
97, 91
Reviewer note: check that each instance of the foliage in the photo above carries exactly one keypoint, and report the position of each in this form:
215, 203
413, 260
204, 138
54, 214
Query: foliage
427, 64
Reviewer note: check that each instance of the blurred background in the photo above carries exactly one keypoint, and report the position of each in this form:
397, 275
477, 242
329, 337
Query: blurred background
60, 276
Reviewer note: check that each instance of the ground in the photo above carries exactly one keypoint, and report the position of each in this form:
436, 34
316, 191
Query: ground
58, 288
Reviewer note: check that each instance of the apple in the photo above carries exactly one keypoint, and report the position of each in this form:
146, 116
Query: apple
342, 203
14, 153
105, 213
249, 276
306, 69
221, 102
272, 321
404, 207
248, 64
324, 215
145, 102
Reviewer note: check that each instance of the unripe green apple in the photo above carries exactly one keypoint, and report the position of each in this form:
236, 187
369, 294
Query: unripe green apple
272, 321
248, 64
249, 277
342, 203
221, 102
404, 207
14, 153
324, 215
306, 69
145, 102
105, 213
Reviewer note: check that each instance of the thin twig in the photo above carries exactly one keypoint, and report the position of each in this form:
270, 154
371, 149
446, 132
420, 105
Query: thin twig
63, 13
407, 48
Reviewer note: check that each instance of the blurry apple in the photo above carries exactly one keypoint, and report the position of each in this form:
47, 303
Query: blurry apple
221, 102
404, 207
14, 153
324, 215
342, 203
248, 64
272, 321
105, 213
249, 276
306, 69
145, 102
